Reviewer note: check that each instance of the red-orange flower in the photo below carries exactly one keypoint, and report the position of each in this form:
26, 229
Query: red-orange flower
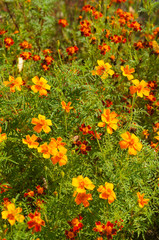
8, 42
40, 86
131, 142
83, 198
25, 45
104, 48
63, 22
25, 55
36, 222
142, 202
41, 124
3, 136
107, 192
71, 50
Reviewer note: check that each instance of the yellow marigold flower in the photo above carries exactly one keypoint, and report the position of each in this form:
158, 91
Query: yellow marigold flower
107, 192
109, 118
40, 86
59, 157
14, 83
12, 214
127, 72
131, 142
31, 141
3, 136
139, 88
82, 184
142, 202
66, 107
103, 69
41, 124
45, 149
157, 137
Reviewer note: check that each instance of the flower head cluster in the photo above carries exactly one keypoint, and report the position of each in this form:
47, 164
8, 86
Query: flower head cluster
82, 147
76, 225
14, 83
110, 119
8, 42
85, 28
63, 22
25, 45
104, 48
103, 69
131, 142
107, 229
107, 192
40, 86
25, 55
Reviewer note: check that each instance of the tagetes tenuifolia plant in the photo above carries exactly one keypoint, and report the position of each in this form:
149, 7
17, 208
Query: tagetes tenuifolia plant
131, 142
31, 141
36, 222
12, 214
103, 69
41, 124
109, 119
139, 88
66, 106
82, 184
107, 192
127, 72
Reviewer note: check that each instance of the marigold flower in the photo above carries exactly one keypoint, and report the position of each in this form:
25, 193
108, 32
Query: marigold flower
30, 193
76, 224
14, 83
131, 142
104, 48
46, 51
103, 69
82, 147
41, 124
12, 214
127, 72
107, 192
45, 150
8, 42
142, 202
36, 58
25, 55
71, 50
66, 107
25, 45
4, 188
36, 222
31, 141
3, 136
85, 129
110, 119
70, 234
59, 157
40, 86
139, 88
82, 184
40, 190
63, 22
83, 198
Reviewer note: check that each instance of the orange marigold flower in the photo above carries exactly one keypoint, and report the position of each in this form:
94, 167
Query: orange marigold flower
76, 224
41, 124
103, 69
25, 45
12, 214
14, 83
107, 192
71, 234
40, 190
142, 202
110, 119
36, 222
45, 150
30, 193
104, 48
59, 157
131, 142
71, 50
4, 188
63, 22
3, 136
127, 72
97, 14
25, 55
31, 141
8, 42
36, 58
82, 184
83, 198
40, 86
66, 107
85, 129
139, 88
46, 51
